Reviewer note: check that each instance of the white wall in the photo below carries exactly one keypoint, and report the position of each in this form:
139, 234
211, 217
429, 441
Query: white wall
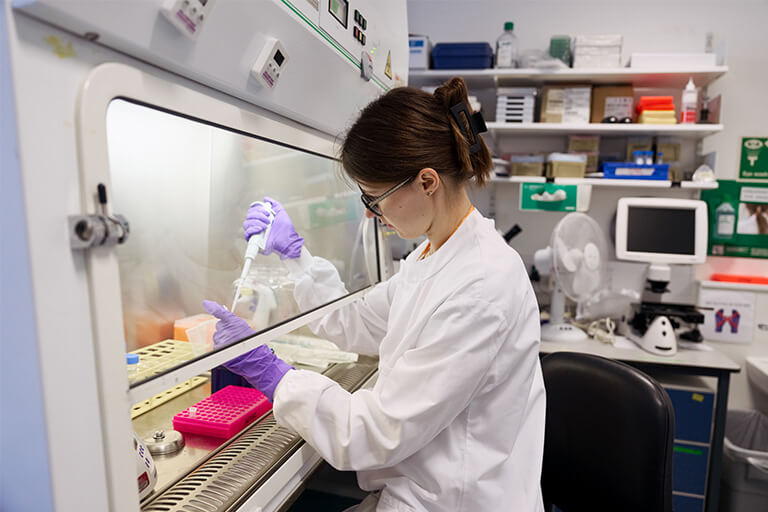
653, 26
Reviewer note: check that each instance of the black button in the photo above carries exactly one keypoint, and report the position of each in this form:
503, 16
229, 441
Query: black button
357, 16
363, 39
365, 23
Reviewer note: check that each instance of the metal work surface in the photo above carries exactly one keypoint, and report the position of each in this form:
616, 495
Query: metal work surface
230, 475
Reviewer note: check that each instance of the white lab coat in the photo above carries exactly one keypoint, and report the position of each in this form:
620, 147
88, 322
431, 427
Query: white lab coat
455, 421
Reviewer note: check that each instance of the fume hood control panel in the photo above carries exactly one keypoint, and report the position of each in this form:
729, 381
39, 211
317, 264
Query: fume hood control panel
361, 26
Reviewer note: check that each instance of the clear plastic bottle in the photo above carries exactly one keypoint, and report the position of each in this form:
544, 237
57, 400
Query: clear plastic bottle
688, 104
725, 219
507, 48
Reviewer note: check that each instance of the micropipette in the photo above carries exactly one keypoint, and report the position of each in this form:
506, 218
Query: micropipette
256, 244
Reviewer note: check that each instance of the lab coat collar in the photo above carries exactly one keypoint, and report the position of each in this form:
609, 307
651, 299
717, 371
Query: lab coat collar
463, 239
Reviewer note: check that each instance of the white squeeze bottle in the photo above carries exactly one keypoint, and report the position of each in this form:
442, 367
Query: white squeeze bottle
690, 99
507, 48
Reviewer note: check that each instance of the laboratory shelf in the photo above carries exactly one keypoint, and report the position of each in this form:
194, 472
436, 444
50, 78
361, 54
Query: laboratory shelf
602, 182
688, 131
652, 77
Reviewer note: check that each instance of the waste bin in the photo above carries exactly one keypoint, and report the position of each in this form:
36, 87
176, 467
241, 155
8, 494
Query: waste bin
745, 462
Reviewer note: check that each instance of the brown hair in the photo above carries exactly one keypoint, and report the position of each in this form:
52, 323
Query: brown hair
407, 130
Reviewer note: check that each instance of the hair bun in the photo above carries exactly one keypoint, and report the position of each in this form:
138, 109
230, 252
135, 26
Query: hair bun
452, 92
477, 165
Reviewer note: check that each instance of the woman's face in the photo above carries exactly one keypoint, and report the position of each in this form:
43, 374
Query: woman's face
408, 210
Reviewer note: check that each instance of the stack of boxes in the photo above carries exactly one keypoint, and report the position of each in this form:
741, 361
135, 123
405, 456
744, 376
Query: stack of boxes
515, 104
587, 145
597, 52
656, 110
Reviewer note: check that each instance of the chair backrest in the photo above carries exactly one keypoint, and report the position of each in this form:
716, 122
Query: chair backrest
609, 435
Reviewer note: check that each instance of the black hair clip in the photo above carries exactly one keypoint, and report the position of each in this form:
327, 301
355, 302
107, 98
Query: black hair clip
476, 124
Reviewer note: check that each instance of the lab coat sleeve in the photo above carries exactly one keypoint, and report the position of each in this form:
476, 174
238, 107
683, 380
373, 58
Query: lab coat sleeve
412, 402
358, 326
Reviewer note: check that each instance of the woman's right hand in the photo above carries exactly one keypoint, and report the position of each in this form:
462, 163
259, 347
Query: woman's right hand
283, 238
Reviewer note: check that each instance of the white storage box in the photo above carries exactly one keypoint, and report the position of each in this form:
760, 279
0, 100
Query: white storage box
515, 104
419, 48
672, 61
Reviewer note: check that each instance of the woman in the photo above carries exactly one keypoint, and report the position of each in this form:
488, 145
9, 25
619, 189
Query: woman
455, 420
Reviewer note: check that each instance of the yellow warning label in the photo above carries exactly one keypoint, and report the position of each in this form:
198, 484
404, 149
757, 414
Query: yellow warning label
697, 397
388, 67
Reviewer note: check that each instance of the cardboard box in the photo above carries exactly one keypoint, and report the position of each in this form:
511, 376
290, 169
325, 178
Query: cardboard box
526, 168
566, 103
418, 51
612, 100
525, 164
670, 150
592, 159
583, 143
566, 169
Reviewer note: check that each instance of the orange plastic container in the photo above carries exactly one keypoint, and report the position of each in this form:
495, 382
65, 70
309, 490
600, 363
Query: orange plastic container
734, 278
181, 325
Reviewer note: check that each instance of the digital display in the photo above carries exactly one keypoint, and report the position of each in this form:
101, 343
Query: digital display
279, 58
340, 10
661, 230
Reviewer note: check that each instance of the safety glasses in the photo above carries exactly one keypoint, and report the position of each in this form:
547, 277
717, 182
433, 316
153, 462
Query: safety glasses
372, 202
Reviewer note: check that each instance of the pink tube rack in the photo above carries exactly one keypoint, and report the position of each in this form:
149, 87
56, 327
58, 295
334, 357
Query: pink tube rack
224, 413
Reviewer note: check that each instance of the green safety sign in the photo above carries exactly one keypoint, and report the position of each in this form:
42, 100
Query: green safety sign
548, 197
754, 158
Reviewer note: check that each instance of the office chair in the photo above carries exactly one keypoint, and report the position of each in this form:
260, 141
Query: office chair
608, 439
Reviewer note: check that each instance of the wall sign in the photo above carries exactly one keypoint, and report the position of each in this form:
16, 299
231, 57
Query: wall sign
738, 219
548, 197
754, 158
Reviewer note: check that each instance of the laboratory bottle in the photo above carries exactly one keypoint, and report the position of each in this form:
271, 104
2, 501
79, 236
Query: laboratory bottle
725, 219
689, 102
507, 51
132, 364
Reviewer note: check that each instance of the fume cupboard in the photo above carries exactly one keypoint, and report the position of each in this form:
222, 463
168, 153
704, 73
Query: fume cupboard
140, 133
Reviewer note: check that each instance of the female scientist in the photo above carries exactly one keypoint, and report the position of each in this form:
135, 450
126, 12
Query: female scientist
455, 421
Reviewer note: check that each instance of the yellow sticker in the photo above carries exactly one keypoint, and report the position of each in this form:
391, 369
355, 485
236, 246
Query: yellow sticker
60, 49
388, 67
698, 397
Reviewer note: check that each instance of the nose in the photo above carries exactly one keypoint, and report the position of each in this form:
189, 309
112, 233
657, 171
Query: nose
369, 214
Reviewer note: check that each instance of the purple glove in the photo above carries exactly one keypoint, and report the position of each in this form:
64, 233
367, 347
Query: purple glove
283, 238
260, 367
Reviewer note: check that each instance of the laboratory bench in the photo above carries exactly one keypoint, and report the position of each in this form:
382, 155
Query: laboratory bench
700, 411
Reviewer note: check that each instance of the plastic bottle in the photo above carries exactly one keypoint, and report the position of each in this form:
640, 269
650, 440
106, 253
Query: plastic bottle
507, 49
725, 219
132, 364
688, 106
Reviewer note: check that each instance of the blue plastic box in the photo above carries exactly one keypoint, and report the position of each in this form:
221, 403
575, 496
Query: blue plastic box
462, 56
632, 171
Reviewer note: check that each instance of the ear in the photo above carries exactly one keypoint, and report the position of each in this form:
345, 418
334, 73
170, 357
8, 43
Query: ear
428, 180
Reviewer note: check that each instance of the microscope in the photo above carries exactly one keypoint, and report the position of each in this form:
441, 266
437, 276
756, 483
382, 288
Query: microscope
660, 232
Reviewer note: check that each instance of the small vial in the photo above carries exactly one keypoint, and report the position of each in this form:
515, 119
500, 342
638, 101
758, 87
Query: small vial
659, 158
192, 412
648, 158
132, 363
639, 158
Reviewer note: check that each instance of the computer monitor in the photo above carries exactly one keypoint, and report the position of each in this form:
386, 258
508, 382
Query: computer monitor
661, 230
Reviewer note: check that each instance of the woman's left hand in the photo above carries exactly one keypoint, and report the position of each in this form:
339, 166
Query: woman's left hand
260, 367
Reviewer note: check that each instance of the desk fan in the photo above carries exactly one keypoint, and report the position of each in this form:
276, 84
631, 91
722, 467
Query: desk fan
575, 258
